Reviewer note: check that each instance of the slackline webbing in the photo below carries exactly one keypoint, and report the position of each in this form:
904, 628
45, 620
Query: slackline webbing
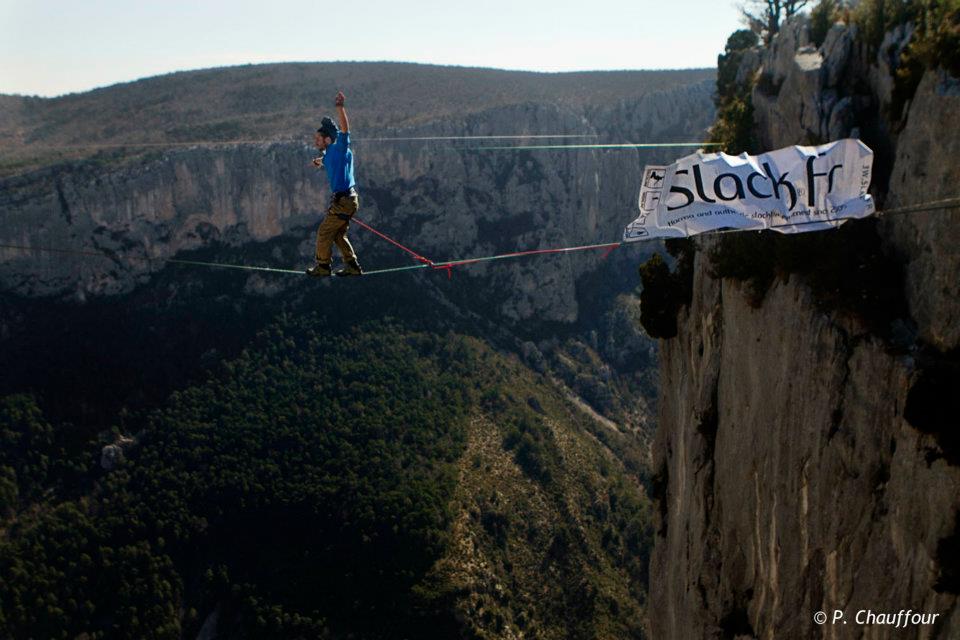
214, 143
200, 263
426, 263
532, 136
619, 145
198, 143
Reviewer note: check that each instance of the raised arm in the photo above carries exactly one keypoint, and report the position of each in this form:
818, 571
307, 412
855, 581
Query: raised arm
338, 102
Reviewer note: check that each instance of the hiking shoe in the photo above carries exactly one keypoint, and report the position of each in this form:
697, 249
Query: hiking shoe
352, 269
319, 270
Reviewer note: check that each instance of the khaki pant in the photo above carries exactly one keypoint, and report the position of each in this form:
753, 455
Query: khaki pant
334, 227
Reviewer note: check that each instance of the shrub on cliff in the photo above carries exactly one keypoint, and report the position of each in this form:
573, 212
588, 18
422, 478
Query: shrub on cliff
733, 128
935, 42
822, 17
665, 292
729, 61
876, 17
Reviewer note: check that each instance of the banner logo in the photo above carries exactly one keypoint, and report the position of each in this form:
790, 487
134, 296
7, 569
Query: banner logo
790, 190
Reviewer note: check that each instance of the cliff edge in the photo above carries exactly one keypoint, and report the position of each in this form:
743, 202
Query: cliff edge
806, 462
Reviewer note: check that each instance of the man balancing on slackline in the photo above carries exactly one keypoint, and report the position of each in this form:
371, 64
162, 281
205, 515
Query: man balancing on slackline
337, 159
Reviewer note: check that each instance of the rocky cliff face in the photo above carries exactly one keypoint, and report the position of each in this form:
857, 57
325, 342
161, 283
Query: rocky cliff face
804, 464
926, 169
138, 215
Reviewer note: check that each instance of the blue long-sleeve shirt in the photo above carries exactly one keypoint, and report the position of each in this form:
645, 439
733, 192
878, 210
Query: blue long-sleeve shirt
338, 161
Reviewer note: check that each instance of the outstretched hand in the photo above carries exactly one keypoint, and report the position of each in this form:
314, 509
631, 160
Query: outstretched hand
341, 112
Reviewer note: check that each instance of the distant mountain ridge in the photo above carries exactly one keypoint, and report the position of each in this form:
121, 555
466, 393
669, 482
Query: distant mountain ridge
285, 100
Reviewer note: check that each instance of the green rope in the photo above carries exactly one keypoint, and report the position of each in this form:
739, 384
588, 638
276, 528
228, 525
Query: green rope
233, 266
511, 137
641, 145
395, 269
931, 205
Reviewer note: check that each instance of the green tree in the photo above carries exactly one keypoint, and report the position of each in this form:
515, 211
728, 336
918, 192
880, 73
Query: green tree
822, 17
733, 128
729, 61
764, 17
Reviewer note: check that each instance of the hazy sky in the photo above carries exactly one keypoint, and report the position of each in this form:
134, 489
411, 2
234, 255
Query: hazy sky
52, 47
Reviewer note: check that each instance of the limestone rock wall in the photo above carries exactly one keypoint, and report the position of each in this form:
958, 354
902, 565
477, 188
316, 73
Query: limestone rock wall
796, 466
926, 169
792, 483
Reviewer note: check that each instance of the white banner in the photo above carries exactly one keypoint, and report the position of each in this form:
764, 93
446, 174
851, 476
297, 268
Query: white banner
791, 190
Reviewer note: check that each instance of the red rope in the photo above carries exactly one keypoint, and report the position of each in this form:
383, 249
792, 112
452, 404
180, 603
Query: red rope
413, 253
607, 253
533, 252
448, 266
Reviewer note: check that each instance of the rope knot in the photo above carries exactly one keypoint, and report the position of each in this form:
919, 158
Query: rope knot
444, 267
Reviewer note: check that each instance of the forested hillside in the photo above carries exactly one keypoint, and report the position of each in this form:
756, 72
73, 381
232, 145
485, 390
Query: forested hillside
307, 490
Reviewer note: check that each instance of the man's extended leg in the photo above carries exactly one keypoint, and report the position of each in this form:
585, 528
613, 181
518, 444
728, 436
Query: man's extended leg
326, 235
343, 244
344, 208
352, 267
